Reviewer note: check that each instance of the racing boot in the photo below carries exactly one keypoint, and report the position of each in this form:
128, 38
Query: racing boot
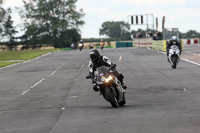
124, 86
95, 87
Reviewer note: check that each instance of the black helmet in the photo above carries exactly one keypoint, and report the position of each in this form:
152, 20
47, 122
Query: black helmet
95, 55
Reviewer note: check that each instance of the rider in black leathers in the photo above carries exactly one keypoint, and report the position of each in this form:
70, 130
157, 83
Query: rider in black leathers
97, 60
173, 41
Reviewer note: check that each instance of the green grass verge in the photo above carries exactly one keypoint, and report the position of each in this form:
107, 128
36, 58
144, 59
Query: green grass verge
3, 64
23, 55
104, 47
65, 48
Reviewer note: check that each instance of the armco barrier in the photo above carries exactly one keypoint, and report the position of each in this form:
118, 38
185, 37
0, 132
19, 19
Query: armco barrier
161, 45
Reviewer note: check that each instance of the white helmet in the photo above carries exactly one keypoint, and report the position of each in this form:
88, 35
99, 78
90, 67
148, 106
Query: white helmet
174, 38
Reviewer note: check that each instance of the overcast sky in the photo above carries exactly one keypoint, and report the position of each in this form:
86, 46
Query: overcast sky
182, 14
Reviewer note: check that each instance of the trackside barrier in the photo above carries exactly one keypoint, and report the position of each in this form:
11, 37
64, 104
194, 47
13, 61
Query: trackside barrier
195, 41
190, 41
124, 44
161, 45
143, 42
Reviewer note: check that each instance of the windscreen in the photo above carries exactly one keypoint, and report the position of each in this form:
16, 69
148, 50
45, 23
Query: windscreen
102, 73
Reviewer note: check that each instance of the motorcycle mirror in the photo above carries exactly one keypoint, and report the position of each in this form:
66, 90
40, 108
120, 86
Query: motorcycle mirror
88, 76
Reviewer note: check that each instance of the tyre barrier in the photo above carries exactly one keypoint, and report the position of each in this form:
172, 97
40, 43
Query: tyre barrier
190, 41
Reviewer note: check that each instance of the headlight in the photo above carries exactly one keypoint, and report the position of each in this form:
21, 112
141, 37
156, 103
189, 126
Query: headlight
108, 79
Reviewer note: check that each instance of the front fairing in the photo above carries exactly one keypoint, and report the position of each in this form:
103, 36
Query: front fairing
174, 50
101, 74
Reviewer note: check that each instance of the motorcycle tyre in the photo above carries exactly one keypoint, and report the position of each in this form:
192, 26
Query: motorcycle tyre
174, 61
123, 102
174, 66
111, 98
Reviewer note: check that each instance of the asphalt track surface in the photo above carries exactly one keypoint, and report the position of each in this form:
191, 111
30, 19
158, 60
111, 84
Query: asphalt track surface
51, 95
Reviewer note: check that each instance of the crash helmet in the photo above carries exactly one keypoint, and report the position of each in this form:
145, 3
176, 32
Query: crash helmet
81, 41
95, 55
174, 39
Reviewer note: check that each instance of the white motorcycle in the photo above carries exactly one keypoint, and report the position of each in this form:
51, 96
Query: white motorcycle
174, 55
80, 45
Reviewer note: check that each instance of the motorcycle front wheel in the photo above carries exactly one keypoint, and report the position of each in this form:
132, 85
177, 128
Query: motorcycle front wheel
123, 102
174, 66
174, 61
111, 97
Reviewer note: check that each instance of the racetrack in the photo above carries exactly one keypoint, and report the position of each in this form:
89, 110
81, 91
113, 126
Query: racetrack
51, 95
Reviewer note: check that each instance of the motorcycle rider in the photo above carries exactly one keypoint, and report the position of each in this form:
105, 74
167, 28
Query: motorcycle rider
91, 46
173, 41
98, 60
102, 43
81, 43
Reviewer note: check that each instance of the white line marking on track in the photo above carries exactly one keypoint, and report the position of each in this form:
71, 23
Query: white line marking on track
40, 81
120, 58
26, 61
73, 97
81, 67
185, 90
36, 84
9, 66
33, 86
191, 62
52, 73
25, 92
37, 57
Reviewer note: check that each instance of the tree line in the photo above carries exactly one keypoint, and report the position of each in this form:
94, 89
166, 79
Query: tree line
57, 23
51, 22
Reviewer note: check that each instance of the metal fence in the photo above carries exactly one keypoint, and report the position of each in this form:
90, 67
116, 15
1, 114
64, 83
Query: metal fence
169, 32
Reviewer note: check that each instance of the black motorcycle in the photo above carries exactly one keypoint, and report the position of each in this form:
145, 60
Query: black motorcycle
109, 86
91, 46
